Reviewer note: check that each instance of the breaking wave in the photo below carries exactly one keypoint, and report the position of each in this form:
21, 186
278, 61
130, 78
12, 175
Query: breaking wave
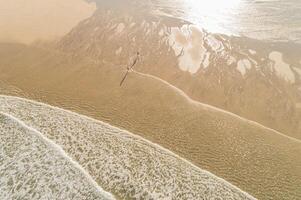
55, 152
33, 167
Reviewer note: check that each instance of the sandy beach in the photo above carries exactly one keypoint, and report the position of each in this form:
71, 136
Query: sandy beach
218, 142
199, 114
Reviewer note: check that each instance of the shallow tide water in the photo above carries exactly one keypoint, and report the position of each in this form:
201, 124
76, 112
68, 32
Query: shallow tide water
126, 165
274, 20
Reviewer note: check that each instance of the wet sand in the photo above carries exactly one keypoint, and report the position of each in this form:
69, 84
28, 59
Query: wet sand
33, 20
236, 74
260, 162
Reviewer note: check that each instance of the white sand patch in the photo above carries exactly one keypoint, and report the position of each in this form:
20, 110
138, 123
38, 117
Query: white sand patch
120, 28
281, 68
243, 66
187, 43
31, 20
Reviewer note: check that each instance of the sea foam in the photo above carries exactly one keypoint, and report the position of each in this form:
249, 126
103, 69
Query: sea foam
126, 165
33, 167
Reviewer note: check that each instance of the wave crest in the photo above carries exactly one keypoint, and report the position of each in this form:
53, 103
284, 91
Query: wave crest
124, 164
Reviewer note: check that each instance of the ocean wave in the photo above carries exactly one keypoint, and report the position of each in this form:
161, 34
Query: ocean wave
33, 167
126, 165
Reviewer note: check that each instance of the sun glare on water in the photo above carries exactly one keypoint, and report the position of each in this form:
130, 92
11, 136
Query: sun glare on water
214, 15
213, 5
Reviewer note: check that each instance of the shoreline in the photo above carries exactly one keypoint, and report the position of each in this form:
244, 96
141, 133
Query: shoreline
60, 150
228, 105
137, 137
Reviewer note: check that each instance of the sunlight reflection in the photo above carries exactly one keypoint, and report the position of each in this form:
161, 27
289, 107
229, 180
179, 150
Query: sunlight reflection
213, 5
214, 14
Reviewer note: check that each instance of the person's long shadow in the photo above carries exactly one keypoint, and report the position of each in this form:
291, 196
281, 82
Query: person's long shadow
129, 68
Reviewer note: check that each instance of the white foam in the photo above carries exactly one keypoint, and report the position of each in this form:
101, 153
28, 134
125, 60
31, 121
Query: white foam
187, 43
243, 66
55, 153
281, 68
127, 163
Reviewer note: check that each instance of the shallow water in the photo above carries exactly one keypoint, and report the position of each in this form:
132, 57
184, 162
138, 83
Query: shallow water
33, 167
120, 162
275, 20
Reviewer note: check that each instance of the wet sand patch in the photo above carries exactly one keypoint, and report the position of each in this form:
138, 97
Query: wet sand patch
32, 20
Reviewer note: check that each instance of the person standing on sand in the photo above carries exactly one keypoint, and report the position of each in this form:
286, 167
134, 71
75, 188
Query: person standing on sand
130, 68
